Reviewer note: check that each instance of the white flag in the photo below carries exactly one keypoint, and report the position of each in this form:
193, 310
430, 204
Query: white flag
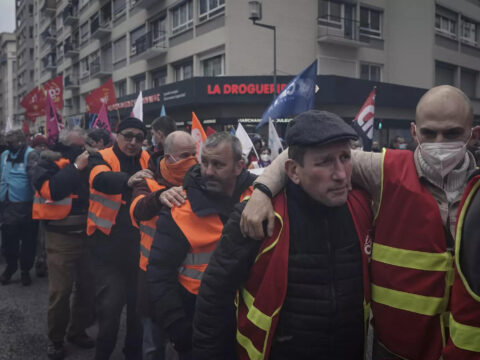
8, 125
245, 140
137, 111
274, 142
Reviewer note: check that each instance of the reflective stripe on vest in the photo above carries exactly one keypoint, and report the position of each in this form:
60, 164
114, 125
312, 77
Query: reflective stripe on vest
464, 321
411, 269
99, 221
203, 234
105, 201
44, 208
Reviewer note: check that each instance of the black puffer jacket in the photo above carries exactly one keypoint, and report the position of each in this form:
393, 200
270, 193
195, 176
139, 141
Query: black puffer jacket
173, 306
322, 315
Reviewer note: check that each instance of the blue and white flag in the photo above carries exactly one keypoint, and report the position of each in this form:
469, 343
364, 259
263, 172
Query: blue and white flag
297, 97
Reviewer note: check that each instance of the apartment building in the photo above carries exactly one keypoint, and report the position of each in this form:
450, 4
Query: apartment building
8, 64
25, 70
193, 54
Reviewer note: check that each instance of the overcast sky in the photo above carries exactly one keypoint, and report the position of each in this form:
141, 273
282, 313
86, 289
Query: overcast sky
7, 15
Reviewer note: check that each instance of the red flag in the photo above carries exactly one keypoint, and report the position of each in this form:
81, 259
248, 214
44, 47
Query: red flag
363, 122
103, 94
54, 87
102, 120
51, 121
210, 131
34, 104
198, 133
26, 127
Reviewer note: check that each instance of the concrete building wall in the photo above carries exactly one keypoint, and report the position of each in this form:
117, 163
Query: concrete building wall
8, 60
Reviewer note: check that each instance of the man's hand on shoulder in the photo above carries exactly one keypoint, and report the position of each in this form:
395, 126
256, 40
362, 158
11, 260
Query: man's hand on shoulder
139, 176
175, 196
258, 209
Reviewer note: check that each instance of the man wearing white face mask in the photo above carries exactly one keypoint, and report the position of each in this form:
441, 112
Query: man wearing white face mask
415, 199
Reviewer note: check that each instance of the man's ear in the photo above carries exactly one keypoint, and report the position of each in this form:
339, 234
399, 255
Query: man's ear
413, 132
292, 169
475, 135
239, 166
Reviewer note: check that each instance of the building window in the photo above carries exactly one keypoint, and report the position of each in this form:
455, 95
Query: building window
120, 49
158, 28
446, 25
84, 33
134, 36
370, 22
159, 77
184, 71
371, 72
468, 82
331, 11
444, 74
468, 31
182, 17
121, 88
118, 8
213, 66
210, 8
84, 68
138, 83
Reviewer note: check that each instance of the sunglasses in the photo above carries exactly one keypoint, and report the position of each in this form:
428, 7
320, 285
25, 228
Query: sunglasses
129, 136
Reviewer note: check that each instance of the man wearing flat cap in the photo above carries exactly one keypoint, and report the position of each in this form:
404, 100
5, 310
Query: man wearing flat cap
301, 291
115, 241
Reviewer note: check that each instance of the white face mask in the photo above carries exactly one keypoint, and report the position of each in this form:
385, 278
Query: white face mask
265, 157
443, 156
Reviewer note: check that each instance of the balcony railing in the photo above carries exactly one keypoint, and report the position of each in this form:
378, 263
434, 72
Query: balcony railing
70, 49
71, 82
100, 29
50, 61
99, 69
70, 15
49, 35
339, 30
150, 44
48, 7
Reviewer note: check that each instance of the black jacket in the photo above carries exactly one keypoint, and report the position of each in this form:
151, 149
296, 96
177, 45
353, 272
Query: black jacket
173, 305
122, 245
322, 315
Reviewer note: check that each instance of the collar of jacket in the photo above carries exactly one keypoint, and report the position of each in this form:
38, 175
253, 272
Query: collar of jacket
204, 202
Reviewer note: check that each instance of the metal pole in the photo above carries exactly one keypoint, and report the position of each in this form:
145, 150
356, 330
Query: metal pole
274, 62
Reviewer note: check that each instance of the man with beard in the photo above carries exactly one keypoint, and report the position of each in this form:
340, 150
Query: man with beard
61, 200
187, 235
115, 241
150, 196
16, 196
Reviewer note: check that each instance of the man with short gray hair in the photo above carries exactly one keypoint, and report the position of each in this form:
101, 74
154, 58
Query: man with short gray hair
187, 235
61, 201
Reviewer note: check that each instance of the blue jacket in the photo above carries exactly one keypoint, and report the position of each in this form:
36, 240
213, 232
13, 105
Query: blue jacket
14, 182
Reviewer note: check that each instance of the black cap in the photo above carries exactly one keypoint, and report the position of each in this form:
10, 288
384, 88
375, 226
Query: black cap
132, 123
315, 127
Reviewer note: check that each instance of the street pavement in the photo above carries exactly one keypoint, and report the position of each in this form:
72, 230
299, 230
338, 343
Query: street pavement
23, 322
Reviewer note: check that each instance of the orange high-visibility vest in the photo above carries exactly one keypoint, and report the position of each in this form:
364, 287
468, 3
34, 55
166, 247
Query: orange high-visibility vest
148, 227
464, 325
103, 208
411, 269
261, 299
203, 234
44, 208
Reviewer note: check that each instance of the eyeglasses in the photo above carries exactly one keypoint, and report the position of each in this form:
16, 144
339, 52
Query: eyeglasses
129, 136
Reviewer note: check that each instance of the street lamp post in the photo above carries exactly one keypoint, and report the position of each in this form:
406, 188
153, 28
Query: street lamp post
255, 8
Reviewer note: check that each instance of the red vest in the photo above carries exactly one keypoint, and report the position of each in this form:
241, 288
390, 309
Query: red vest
464, 341
411, 270
147, 227
103, 208
260, 300
203, 234
44, 208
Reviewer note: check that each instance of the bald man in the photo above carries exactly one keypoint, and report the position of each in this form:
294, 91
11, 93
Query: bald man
155, 188
415, 199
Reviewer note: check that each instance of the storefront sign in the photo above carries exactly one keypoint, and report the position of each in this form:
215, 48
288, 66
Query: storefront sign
243, 89
129, 103
257, 120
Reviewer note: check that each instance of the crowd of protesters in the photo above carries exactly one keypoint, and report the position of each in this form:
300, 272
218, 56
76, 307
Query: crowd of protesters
211, 262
